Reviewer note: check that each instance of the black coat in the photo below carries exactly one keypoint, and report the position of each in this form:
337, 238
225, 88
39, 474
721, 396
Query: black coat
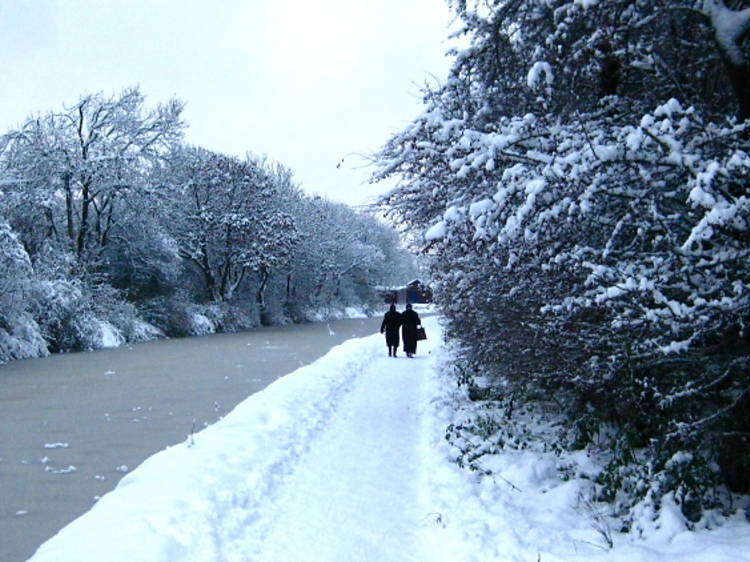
390, 325
409, 322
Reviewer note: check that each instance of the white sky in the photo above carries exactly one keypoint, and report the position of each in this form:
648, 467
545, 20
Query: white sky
305, 82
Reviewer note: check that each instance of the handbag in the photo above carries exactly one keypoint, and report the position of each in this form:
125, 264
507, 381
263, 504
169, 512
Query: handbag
421, 334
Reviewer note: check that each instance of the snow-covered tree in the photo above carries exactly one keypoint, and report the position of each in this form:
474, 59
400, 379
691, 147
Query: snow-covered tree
107, 220
581, 180
20, 336
226, 218
343, 256
75, 169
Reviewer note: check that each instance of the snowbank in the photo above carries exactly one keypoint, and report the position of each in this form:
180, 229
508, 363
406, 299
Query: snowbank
526, 511
199, 324
109, 336
143, 331
24, 340
325, 313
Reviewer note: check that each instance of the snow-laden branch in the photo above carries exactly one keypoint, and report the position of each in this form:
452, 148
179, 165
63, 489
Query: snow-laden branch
730, 27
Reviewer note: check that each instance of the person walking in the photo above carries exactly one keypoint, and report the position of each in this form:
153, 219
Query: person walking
390, 325
409, 323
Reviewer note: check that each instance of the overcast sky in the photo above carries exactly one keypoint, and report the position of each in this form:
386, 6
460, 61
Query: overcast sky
305, 82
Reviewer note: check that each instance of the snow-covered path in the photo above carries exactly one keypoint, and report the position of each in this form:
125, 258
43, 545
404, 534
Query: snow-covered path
353, 496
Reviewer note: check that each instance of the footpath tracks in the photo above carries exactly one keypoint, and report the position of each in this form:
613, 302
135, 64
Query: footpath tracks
355, 494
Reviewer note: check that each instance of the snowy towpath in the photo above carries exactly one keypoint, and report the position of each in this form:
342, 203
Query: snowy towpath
354, 495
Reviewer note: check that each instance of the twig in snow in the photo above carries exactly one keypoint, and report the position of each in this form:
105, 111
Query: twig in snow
508, 482
438, 518
493, 475
191, 439
598, 521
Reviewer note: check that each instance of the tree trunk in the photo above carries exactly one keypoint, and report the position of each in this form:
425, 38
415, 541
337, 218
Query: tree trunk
264, 276
83, 229
69, 206
235, 282
609, 71
51, 228
109, 223
208, 277
288, 288
260, 295
740, 79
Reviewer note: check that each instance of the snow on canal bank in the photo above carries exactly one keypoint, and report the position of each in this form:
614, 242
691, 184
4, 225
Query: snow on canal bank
345, 460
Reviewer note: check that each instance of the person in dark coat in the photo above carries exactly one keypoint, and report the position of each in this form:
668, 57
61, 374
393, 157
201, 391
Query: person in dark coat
409, 323
390, 325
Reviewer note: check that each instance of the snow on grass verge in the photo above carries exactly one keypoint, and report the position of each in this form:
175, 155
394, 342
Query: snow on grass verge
523, 505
